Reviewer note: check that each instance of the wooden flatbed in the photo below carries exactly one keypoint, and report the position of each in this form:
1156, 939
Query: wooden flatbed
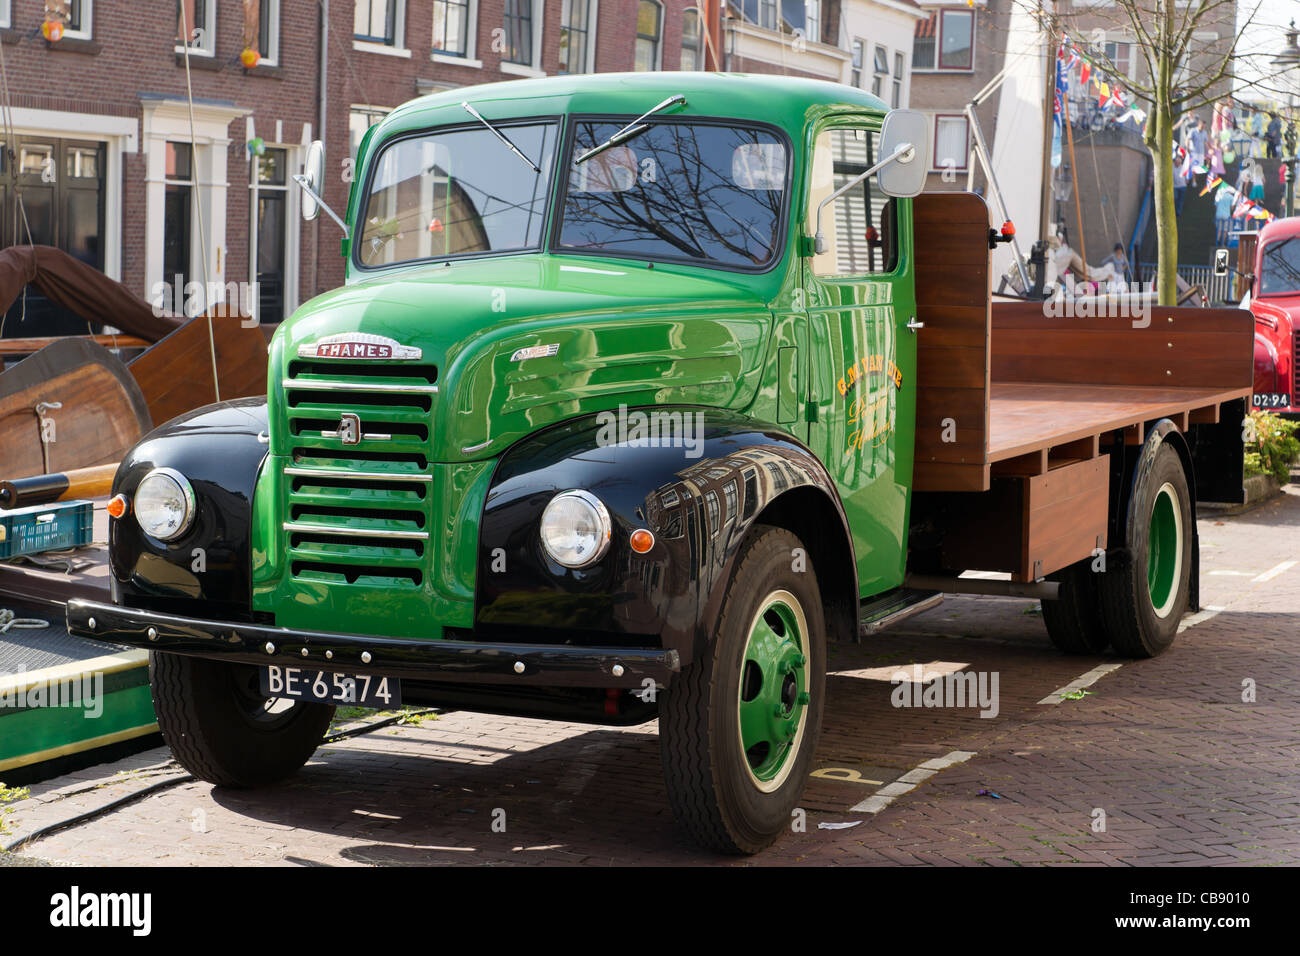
1019, 406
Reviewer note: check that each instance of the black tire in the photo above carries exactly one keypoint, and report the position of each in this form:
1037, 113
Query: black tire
1074, 620
208, 712
1127, 601
711, 777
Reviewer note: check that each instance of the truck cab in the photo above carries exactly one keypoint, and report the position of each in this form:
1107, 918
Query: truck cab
1275, 302
641, 389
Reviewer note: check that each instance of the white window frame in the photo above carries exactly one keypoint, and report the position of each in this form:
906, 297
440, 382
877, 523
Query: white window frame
272, 40
398, 47
87, 30
592, 13
209, 27
6, 14
812, 5
292, 231
470, 58
964, 163
535, 68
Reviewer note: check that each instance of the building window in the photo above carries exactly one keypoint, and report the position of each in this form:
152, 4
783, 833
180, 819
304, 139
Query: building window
177, 207
268, 32
649, 26
896, 100
879, 71
75, 14
451, 27
198, 18
55, 195
692, 41
360, 119
951, 142
5, 19
946, 41
375, 21
856, 77
861, 226
767, 14
268, 245
519, 32
812, 20
1120, 54
576, 20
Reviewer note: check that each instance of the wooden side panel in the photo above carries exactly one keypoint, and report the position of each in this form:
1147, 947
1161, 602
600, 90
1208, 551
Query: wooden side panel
1178, 347
1064, 517
176, 373
952, 401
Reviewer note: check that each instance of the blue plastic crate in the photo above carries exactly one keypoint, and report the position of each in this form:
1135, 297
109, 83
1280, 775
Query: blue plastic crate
54, 527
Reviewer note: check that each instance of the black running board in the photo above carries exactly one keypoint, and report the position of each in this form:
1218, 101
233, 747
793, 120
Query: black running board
876, 615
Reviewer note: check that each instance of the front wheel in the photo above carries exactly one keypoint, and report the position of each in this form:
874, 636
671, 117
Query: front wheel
222, 729
738, 728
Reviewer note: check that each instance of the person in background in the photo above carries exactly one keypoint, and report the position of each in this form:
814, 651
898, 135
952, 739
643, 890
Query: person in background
1117, 259
1223, 215
1180, 188
1257, 192
1274, 136
1197, 142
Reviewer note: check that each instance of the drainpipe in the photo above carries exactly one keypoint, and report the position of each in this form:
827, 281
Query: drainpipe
322, 130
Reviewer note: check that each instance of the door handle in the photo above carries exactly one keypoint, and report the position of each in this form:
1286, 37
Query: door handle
914, 325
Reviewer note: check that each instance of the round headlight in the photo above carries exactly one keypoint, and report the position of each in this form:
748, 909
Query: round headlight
164, 504
575, 528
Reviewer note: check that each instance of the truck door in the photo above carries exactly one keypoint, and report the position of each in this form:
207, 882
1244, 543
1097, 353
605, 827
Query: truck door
861, 377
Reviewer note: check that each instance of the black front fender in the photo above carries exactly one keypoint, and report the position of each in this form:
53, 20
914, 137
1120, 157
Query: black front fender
698, 499
218, 449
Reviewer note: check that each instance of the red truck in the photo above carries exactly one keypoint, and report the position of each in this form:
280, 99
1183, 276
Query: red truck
1275, 303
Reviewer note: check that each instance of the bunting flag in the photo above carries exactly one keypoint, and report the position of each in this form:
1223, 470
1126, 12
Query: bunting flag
1085, 71
1105, 94
1211, 182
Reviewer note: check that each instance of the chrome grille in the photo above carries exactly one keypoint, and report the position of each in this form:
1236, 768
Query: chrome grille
358, 508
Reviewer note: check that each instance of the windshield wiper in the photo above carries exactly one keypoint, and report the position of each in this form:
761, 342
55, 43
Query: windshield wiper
501, 136
628, 131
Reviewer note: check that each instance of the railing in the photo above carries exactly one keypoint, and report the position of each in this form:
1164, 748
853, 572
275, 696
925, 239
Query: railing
1219, 289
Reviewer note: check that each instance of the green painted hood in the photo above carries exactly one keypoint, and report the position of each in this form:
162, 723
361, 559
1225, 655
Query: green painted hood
623, 334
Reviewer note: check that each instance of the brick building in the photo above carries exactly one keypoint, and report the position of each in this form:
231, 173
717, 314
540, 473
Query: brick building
105, 164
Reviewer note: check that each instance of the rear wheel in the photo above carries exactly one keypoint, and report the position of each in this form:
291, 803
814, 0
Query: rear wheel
739, 726
1146, 588
222, 729
1074, 620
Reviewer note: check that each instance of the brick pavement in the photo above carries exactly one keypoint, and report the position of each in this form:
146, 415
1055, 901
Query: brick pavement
1184, 771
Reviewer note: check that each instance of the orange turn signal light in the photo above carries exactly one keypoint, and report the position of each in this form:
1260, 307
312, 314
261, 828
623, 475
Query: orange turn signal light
642, 541
1008, 228
118, 506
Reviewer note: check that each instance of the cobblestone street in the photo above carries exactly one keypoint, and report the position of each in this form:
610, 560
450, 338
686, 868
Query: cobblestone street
1152, 762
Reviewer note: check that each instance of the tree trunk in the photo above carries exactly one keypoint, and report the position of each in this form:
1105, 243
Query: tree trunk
1160, 142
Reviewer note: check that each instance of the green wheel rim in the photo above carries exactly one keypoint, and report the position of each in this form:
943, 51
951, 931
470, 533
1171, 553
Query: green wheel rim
1165, 550
773, 695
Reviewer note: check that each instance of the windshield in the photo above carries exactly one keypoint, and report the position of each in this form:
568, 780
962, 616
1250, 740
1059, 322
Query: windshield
686, 191
1280, 272
457, 192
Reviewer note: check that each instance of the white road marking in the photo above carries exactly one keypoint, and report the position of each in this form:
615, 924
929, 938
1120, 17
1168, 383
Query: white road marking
1082, 681
1232, 574
1200, 617
908, 781
1274, 571
915, 673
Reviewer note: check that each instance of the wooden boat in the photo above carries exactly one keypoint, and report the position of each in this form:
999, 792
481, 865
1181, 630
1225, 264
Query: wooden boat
72, 403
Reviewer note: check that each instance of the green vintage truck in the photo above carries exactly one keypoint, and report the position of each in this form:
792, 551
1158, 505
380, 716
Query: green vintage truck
640, 390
